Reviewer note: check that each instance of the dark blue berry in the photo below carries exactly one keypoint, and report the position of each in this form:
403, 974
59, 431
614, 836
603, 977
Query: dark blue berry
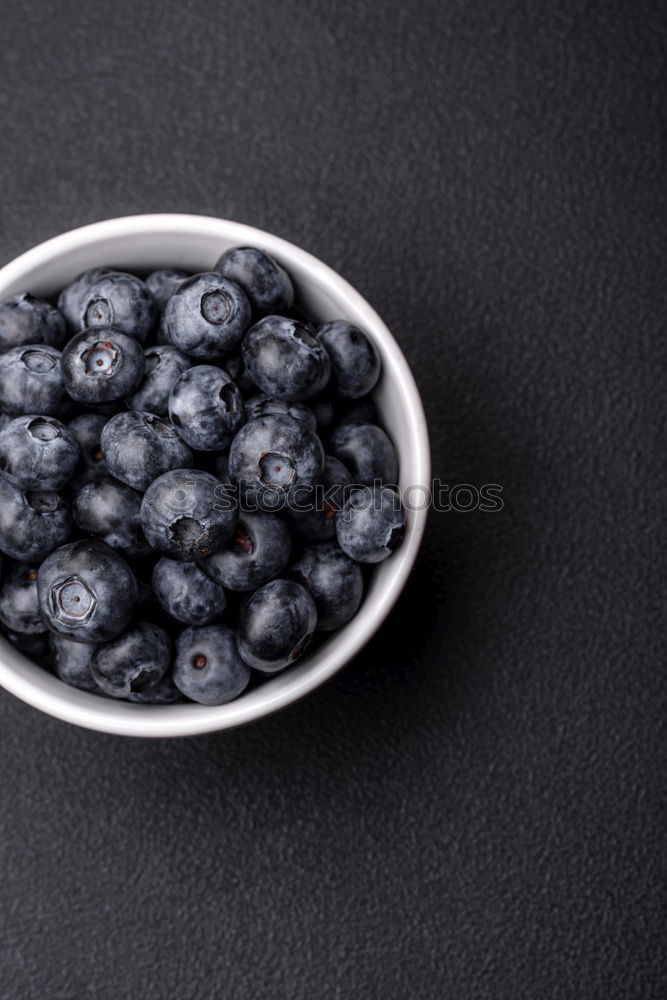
182, 515
87, 429
355, 362
87, 592
262, 405
101, 365
258, 550
265, 282
71, 297
164, 692
334, 582
19, 605
121, 301
366, 451
164, 366
206, 408
111, 511
187, 593
139, 447
271, 456
133, 662
371, 524
32, 523
31, 381
276, 625
38, 453
207, 665
312, 510
27, 320
285, 359
163, 283
207, 316
72, 662
35, 646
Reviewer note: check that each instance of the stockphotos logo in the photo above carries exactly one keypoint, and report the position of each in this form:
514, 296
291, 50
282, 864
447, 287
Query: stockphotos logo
459, 498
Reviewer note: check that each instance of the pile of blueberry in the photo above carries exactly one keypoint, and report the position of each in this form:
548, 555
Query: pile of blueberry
192, 479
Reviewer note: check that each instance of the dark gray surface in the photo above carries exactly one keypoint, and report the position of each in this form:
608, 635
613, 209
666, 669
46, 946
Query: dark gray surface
471, 810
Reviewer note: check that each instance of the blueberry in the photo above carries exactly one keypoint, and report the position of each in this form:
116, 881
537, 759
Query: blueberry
121, 301
207, 316
355, 362
265, 282
27, 320
71, 297
164, 366
87, 429
262, 405
87, 592
163, 283
31, 381
133, 662
19, 606
207, 666
139, 447
272, 455
366, 451
72, 662
206, 408
164, 692
34, 646
187, 593
258, 550
371, 524
334, 582
32, 524
312, 511
101, 365
285, 359
38, 453
111, 511
182, 515
276, 625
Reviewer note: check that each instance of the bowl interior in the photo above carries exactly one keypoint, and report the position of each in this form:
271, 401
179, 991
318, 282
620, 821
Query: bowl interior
144, 243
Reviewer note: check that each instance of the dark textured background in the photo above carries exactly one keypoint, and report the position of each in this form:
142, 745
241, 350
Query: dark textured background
471, 809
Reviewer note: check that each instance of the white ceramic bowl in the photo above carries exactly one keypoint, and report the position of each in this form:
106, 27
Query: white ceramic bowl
146, 242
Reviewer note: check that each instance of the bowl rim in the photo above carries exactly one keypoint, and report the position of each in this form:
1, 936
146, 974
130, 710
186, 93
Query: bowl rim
18, 674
